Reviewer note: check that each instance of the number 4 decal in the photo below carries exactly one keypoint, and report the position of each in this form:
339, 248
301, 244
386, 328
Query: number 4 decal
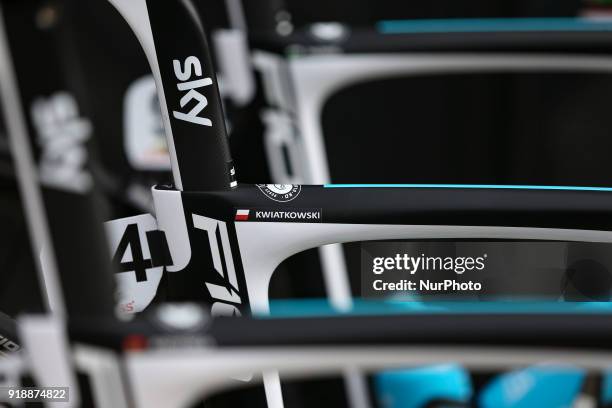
130, 247
140, 252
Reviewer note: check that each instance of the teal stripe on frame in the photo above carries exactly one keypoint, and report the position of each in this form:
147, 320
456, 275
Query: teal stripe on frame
491, 25
295, 308
472, 186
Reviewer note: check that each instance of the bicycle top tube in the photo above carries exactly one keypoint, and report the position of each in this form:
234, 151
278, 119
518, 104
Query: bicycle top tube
479, 25
474, 186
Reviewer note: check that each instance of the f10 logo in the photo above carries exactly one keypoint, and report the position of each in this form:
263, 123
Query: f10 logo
226, 297
191, 88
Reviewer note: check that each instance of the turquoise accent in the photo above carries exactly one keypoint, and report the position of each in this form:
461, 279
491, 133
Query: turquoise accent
420, 386
477, 25
293, 308
537, 386
606, 388
472, 186
550, 386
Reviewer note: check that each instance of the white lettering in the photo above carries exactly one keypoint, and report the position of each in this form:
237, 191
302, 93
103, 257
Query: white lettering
62, 135
191, 87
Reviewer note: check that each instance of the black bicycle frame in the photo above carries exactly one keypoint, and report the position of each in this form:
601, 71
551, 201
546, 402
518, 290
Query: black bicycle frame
232, 238
51, 141
226, 237
226, 243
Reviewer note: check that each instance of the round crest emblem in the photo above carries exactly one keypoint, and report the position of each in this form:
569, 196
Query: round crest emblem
280, 192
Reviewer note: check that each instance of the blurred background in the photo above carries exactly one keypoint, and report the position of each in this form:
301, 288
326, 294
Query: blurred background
338, 91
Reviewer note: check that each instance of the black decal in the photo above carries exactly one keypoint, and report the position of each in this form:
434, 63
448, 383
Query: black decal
138, 264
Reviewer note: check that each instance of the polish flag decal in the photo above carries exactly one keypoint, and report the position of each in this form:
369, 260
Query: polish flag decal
242, 215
